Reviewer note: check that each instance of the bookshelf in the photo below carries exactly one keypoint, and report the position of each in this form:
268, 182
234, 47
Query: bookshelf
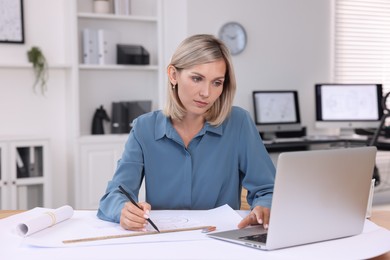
96, 156
107, 83
24, 174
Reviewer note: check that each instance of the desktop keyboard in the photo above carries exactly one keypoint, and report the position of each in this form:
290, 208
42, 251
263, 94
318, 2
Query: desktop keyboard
288, 139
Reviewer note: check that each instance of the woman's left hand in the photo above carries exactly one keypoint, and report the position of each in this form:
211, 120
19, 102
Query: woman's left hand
258, 215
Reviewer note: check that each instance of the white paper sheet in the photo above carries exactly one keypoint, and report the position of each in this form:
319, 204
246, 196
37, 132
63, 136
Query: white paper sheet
46, 219
85, 224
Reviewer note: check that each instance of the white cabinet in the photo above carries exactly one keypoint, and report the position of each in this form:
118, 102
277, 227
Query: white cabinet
98, 161
24, 175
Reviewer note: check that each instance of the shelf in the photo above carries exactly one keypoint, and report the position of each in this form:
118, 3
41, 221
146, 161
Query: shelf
29, 66
118, 17
118, 67
29, 181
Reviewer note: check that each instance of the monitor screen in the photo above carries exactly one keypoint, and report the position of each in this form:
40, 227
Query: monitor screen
276, 111
348, 105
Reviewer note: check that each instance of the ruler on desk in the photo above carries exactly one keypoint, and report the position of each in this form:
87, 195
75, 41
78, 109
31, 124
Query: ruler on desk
89, 239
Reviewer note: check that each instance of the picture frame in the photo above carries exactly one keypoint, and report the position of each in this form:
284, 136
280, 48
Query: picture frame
11, 21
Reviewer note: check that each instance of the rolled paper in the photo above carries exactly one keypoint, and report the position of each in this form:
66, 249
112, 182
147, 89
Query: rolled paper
45, 220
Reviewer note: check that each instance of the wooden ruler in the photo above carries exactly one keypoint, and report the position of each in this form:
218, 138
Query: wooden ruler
89, 239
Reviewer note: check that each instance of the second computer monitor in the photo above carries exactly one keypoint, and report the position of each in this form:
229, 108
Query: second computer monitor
348, 106
276, 110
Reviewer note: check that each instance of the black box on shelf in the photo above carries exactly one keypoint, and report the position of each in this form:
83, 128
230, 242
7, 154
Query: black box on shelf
132, 54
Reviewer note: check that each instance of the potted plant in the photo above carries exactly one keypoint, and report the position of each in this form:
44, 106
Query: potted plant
36, 57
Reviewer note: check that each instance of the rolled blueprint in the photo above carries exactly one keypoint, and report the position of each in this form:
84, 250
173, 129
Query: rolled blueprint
45, 220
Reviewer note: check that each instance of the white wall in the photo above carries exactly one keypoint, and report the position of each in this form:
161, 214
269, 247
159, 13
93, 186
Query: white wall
24, 113
288, 43
288, 48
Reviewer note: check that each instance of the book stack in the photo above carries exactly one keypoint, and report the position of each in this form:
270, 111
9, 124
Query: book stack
122, 7
99, 46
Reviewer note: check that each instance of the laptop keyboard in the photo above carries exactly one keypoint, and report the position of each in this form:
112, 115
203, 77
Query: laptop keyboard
262, 238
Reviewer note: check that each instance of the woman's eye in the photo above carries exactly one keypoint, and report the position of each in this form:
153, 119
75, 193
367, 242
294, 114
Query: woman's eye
196, 79
218, 83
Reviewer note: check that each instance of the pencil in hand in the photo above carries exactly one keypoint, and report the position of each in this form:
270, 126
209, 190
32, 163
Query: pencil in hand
135, 203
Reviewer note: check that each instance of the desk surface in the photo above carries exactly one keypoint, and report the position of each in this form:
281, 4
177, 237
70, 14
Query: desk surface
379, 217
7, 213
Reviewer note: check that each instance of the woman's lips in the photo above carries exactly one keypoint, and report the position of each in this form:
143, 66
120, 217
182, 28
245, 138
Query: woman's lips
200, 103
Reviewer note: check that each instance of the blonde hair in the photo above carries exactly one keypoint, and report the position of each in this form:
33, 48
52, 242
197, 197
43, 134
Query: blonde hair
196, 50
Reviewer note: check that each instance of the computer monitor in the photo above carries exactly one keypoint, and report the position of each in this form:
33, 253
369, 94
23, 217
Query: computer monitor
348, 106
276, 111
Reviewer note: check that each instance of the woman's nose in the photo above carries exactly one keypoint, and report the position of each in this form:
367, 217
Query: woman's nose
204, 91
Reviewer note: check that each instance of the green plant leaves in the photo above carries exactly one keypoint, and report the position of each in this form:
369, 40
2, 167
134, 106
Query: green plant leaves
40, 66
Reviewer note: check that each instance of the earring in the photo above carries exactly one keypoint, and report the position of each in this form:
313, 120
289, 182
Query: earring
173, 86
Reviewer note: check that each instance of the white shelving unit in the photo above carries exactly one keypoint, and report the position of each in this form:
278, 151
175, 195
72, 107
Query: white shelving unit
104, 84
24, 174
96, 85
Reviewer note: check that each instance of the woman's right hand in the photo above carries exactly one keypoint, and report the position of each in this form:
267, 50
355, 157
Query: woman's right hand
133, 218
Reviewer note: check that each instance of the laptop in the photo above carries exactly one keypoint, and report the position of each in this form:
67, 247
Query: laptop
318, 195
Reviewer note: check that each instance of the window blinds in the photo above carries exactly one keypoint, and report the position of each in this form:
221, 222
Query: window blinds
362, 42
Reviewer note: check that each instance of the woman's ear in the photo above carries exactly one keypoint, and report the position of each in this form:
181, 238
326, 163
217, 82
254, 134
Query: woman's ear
172, 74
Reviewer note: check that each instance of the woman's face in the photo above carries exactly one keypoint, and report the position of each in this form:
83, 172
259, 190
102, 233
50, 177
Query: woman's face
200, 86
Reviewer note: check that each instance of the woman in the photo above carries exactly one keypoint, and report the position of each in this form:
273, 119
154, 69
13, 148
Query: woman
199, 151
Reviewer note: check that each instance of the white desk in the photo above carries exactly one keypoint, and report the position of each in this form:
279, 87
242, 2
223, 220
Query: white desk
371, 243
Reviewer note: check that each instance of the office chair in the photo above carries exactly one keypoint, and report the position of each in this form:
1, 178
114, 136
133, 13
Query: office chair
374, 139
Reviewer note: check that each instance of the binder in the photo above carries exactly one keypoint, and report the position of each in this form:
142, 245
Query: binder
36, 161
122, 7
117, 7
107, 41
119, 118
126, 10
21, 171
90, 46
31, 166
137, 108
124, 113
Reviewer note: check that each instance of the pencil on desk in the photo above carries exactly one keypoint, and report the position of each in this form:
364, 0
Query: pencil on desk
89, 239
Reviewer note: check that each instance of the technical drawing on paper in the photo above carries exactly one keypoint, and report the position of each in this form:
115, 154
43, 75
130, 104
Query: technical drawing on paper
173, 222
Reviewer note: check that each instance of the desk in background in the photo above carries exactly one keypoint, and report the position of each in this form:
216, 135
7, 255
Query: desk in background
306, 142
279, 145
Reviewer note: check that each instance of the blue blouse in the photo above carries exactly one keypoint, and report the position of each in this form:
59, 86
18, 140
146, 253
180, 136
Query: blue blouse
205, 175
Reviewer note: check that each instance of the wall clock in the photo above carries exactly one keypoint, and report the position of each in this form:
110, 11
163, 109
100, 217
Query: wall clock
234, 36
